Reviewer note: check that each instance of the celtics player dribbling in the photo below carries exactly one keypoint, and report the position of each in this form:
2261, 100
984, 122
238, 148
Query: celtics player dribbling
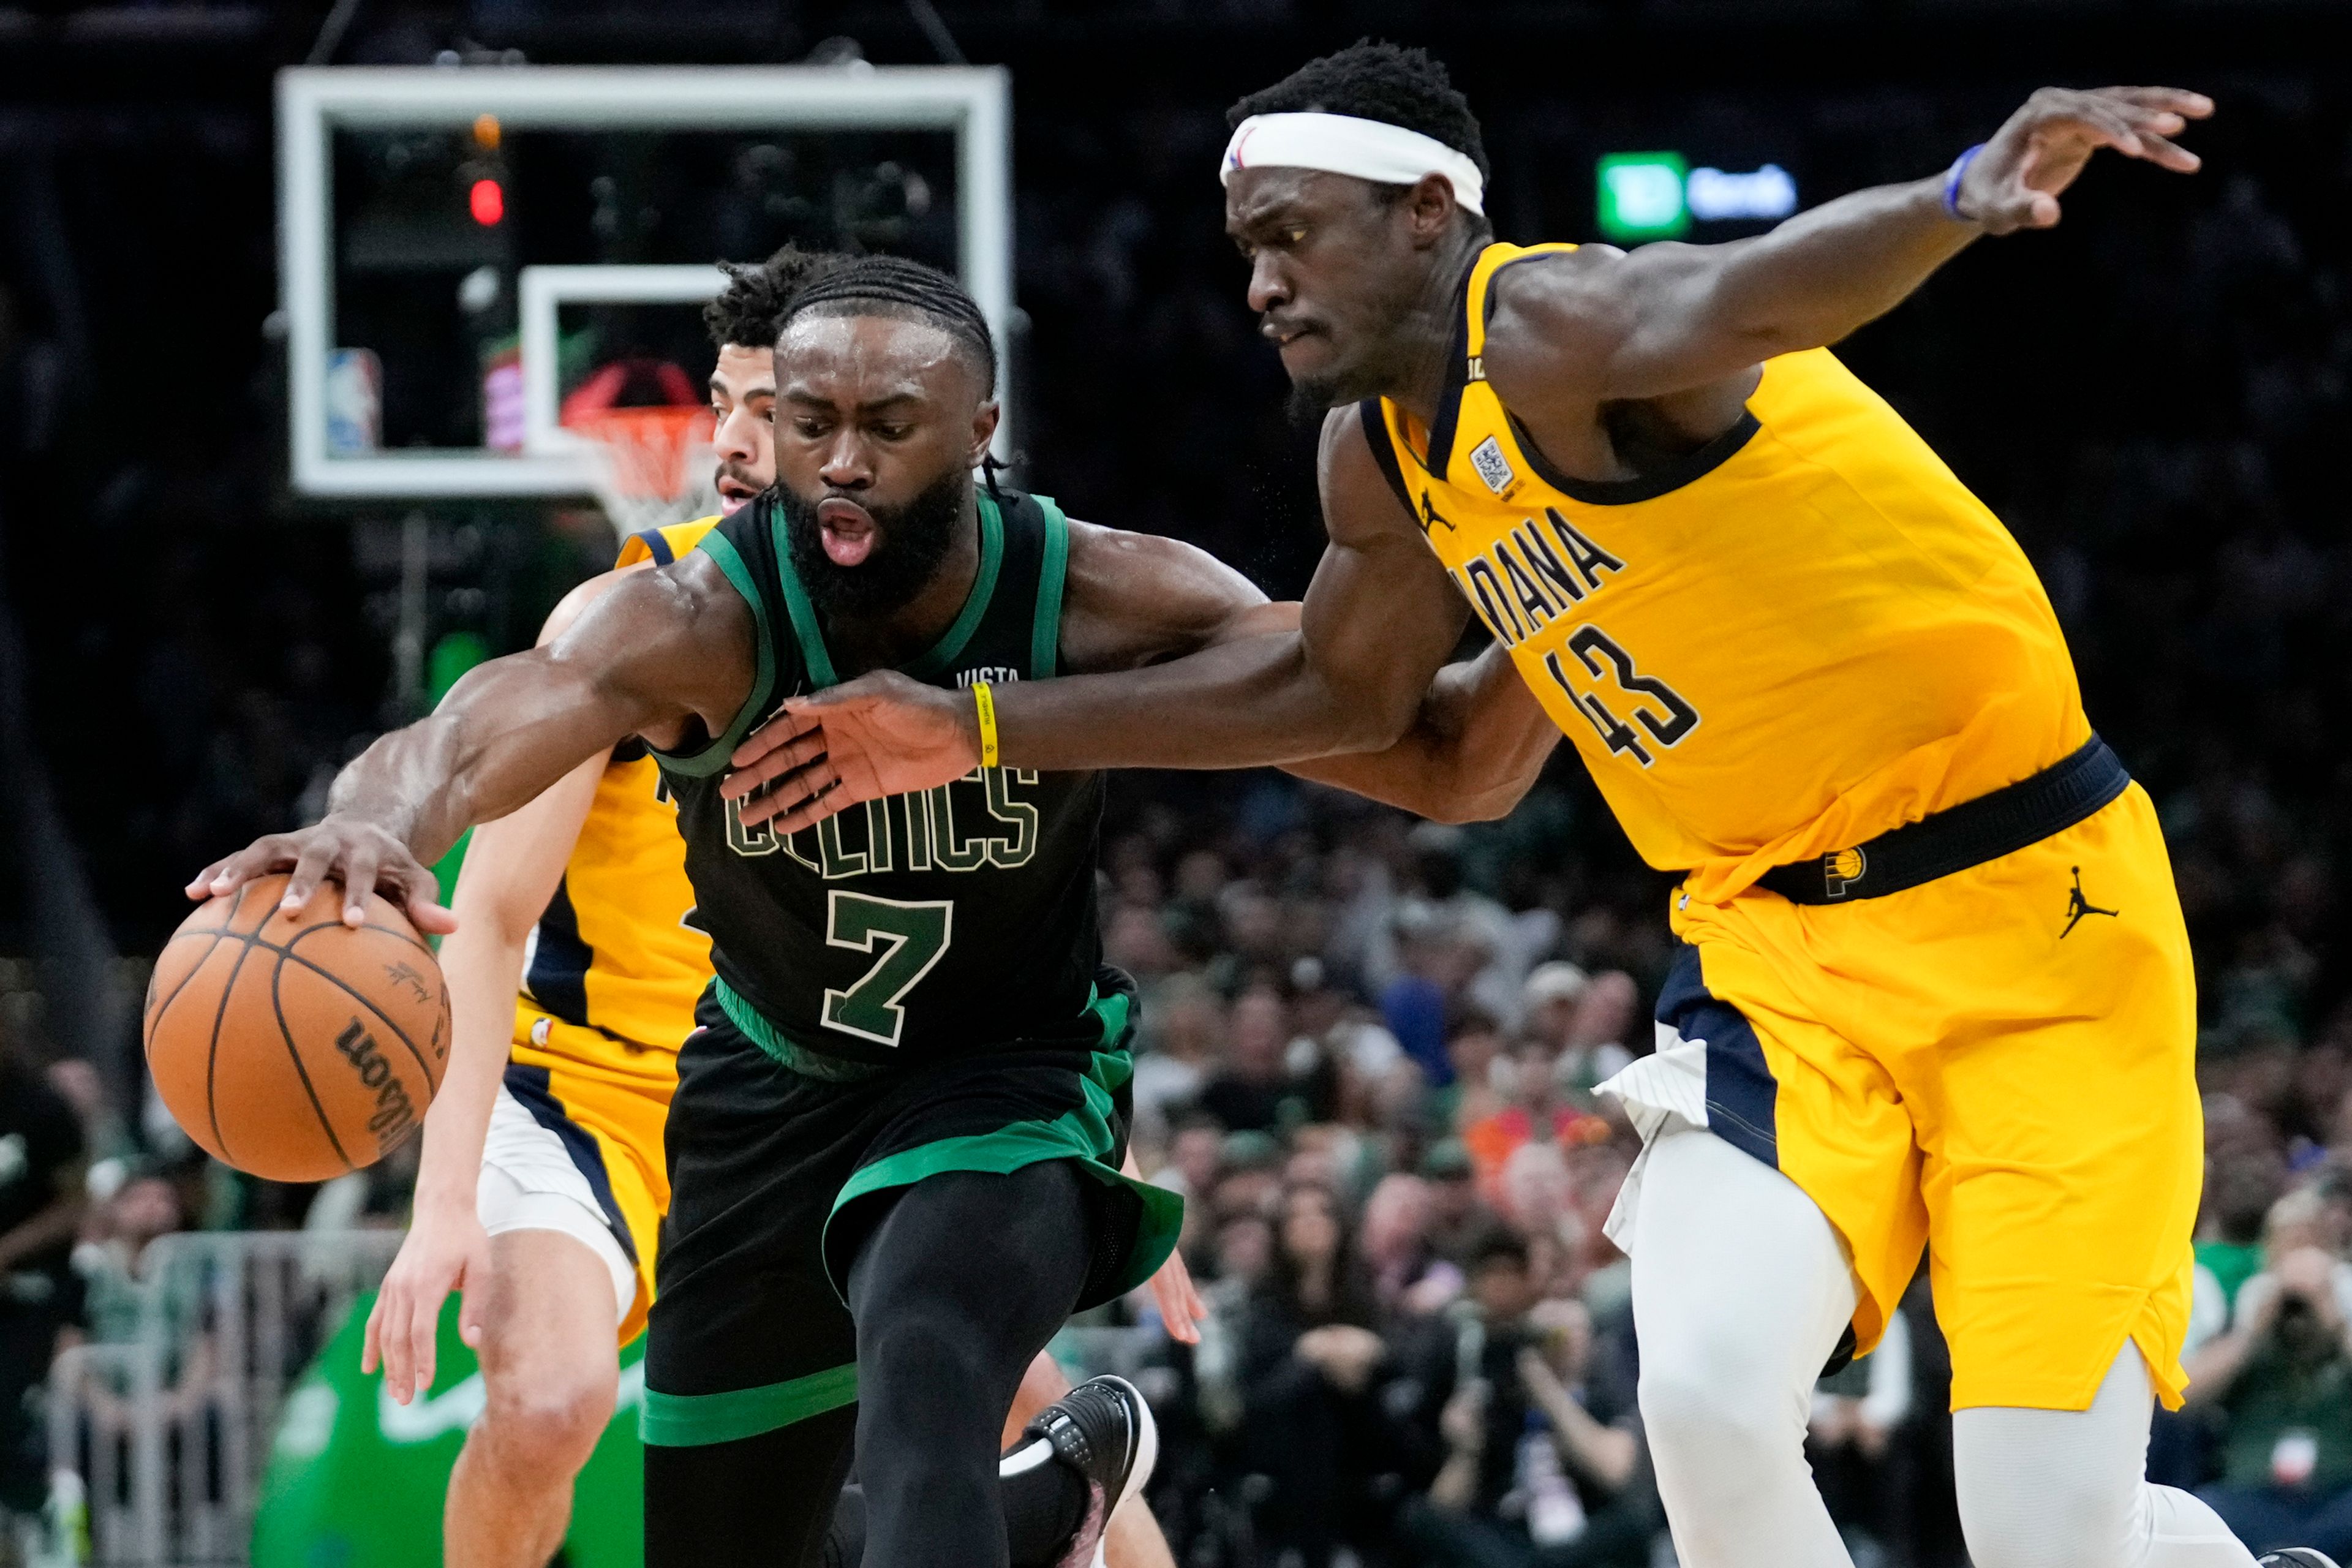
574, 977
894, 1151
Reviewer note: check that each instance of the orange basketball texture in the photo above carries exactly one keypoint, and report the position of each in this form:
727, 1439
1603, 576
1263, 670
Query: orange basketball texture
293, 1046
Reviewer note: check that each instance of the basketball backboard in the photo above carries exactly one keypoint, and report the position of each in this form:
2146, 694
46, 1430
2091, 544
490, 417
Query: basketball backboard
464, 248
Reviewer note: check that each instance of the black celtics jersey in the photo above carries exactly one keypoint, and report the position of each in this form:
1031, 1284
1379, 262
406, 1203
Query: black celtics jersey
916, 925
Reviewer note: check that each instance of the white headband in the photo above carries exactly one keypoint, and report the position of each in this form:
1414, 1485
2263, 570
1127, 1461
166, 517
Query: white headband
1343, 144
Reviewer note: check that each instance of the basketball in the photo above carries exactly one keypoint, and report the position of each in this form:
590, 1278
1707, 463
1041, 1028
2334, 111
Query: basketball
292, 1046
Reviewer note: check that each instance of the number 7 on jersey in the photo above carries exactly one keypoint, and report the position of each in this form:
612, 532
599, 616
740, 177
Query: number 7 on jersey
914, 937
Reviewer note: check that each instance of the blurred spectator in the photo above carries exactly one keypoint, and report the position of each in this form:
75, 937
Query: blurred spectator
1474, 1046
1265, 1084
1409, 1278
1592, 1048
41, 1205
2283, 1381
1458, 1216
1542, 1468
1413, 1002
1313, 1424
2241, 1185
1187, 1024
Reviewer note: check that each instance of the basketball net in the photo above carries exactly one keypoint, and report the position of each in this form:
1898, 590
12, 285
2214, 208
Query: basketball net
650, 467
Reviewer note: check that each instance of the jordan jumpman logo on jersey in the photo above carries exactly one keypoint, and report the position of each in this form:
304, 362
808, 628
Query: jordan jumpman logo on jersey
2077, 906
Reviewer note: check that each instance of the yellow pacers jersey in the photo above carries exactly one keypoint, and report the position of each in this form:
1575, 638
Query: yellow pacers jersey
1803, 635
613, 971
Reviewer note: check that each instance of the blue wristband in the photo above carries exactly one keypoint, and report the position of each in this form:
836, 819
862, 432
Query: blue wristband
1952, 183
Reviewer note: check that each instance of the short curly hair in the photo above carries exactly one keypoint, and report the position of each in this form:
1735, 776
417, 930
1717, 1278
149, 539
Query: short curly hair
760, 301
1381, 81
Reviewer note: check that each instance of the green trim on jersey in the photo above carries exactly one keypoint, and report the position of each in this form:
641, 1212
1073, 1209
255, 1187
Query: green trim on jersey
1045, 638
1083, 1135
761, 1031
944, 652
941, 653
710, 758
694, 1420
813, 652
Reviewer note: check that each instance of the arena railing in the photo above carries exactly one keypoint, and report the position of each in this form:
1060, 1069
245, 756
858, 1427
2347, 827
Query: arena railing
157, 1443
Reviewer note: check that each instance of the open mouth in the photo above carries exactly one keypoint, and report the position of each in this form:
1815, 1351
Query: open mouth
733, 493
848, 531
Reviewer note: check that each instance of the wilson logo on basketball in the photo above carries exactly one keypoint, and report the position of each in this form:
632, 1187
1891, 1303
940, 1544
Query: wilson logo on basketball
394, 1114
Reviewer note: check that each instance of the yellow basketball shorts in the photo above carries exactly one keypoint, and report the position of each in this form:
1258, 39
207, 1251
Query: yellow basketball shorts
1997, 1066
608, 1121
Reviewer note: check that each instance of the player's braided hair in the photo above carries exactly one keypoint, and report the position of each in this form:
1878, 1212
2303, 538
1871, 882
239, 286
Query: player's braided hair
1376, 81
760, 301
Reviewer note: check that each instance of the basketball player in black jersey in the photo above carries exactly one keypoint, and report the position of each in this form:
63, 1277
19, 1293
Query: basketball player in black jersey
895, 1143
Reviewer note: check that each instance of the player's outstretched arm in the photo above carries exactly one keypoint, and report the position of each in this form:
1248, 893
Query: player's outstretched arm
512, 871
1379, 620
660, 649
1478, 746
1600, 325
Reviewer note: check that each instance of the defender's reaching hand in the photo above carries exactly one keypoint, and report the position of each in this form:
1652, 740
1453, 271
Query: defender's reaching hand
2015, 181
350, 850
878, 734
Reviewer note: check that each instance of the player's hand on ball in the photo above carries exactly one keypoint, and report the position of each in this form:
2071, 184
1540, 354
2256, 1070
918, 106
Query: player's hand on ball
879, 735
349, 850
446, 1251
2014, 182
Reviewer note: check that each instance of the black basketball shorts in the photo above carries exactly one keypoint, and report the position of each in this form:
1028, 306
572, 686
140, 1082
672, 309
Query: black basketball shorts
777, 1176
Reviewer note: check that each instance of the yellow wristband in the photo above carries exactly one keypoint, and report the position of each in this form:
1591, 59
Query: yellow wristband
985, 700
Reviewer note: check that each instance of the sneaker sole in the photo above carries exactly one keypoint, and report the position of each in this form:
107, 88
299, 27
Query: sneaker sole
1139, 1474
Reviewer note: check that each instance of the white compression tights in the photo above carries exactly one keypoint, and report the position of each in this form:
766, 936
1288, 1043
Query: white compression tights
1740, 1292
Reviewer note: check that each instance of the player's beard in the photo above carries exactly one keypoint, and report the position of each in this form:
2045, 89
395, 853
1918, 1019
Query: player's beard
915, 537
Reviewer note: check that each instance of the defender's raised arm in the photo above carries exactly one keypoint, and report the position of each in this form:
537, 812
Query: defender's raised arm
658, 651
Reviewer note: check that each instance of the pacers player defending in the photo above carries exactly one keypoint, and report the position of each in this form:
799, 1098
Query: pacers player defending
1807, 668
543, 1179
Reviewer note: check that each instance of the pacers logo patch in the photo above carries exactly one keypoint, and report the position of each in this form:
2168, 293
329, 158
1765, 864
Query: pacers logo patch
1487, 457
1842, 869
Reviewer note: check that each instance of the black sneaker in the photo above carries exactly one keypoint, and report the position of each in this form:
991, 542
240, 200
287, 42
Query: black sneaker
1103, 1430
2294, 1557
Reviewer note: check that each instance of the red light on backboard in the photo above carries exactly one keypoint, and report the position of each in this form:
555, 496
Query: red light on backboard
489, 203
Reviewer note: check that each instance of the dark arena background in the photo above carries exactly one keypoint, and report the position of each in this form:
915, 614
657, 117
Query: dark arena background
1369, 1042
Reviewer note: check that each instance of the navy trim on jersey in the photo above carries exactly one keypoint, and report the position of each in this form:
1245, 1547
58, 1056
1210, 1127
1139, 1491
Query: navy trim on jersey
1376, 431
532, 1092
1740, 1089
558, 976
1457, 380
651, 538
1658, 481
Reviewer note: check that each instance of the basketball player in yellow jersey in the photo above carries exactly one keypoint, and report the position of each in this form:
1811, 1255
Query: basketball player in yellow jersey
1935, 990
573, 976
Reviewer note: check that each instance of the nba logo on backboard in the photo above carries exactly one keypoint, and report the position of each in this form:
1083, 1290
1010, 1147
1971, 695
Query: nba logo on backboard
1487, 457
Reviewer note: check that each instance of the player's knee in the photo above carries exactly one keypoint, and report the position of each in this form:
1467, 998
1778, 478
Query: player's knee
1718, 1422
548, 1424
2056, 1522
2040, 1505
920, 1343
